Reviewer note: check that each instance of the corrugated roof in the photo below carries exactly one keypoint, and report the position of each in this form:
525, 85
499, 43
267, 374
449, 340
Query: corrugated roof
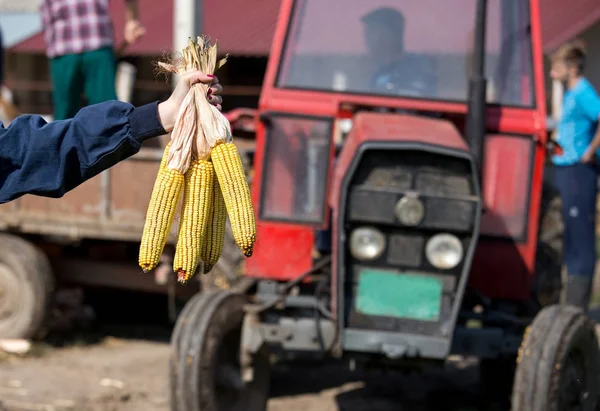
242, 27
562, 21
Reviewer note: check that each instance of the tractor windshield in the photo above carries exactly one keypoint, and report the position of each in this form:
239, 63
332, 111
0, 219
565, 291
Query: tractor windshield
407, 48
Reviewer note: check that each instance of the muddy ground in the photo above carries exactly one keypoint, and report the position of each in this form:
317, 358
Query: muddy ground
118, 364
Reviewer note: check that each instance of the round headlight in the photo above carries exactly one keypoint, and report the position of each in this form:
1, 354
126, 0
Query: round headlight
409, 211
367, 243
444, 251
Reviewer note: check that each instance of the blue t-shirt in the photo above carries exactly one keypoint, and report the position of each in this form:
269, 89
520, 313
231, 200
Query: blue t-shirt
578, 123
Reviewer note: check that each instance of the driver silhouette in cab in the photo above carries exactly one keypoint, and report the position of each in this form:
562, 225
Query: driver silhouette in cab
396, 71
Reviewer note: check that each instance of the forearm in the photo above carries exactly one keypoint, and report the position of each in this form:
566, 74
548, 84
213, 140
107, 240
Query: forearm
131, 9
49, 159
595, 143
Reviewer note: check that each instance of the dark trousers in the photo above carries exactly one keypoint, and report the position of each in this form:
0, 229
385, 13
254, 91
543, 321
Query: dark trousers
578, 188
91, 73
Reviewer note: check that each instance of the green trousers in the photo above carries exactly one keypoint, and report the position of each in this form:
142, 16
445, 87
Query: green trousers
91, 73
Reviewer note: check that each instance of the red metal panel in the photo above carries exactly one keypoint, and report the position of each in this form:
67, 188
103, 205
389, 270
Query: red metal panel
281, 251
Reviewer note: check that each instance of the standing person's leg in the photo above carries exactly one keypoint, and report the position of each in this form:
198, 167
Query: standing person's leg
67, 85
562, 182
99, 69
581, 217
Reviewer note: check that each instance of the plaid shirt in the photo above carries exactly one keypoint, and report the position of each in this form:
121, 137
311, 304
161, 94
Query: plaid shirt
76, 26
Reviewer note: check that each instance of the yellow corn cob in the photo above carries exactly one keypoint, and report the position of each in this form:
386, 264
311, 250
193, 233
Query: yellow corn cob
160, 214
214, 238
236, 193
197, 205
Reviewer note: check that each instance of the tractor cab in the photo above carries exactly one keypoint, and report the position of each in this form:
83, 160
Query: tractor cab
402, 213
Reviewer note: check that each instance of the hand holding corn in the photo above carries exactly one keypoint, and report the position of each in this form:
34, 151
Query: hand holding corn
202, 164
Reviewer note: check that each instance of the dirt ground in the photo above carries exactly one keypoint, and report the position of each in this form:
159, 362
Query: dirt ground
117, 374
119, 364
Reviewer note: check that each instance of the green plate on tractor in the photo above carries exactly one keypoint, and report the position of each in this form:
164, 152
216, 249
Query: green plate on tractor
399, 295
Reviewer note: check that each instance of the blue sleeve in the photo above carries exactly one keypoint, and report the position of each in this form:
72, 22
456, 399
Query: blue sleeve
49, 159
589, 103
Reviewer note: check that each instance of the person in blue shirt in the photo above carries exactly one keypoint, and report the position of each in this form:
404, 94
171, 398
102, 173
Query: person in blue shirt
49, 159
575, 171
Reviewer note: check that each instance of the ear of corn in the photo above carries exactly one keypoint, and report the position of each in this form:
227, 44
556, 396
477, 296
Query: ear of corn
236, 193
161, 212
214, 238
195, 213
212, 189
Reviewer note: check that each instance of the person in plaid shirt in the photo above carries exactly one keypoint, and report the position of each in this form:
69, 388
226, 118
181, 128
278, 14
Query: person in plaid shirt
79, 43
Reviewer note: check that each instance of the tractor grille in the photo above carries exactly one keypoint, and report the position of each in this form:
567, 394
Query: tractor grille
447, 189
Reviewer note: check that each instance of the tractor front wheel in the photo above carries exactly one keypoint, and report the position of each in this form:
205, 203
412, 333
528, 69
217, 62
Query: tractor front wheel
558, 367
205, 363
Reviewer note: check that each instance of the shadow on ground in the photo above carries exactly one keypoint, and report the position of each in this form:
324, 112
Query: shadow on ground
121, 314
138, 316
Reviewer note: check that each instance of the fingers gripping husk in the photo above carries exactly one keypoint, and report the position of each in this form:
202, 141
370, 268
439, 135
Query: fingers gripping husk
199, 125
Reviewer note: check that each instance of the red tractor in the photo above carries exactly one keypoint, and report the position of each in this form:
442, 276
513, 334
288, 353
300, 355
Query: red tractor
402, 210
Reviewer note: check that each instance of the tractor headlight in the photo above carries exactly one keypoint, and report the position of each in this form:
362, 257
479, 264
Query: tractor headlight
409, 211
366, 243
444, 251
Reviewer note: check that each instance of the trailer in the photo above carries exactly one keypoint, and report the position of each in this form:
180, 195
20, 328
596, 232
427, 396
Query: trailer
90, 237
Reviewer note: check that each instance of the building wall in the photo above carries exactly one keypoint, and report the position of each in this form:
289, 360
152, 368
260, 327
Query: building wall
592, 71
592, 39
27, 75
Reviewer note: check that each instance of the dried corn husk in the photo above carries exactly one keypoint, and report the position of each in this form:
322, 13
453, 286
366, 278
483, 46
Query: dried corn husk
199, 125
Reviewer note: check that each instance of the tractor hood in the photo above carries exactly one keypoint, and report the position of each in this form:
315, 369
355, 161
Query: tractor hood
395, 128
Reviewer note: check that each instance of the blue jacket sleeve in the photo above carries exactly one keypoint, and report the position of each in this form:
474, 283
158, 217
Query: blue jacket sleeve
49, 159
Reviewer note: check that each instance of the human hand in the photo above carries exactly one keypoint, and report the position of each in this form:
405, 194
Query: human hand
133, 31
167, 110
588, 156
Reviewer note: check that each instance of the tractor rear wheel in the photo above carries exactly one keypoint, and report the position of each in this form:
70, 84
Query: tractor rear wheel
205, 367
559, 363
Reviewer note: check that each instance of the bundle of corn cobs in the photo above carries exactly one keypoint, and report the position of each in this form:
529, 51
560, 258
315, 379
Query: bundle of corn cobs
202, 163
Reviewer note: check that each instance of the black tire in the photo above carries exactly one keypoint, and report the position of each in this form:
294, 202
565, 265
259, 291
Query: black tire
547, 284
183, 326
209, 345
559, 363
26, 288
